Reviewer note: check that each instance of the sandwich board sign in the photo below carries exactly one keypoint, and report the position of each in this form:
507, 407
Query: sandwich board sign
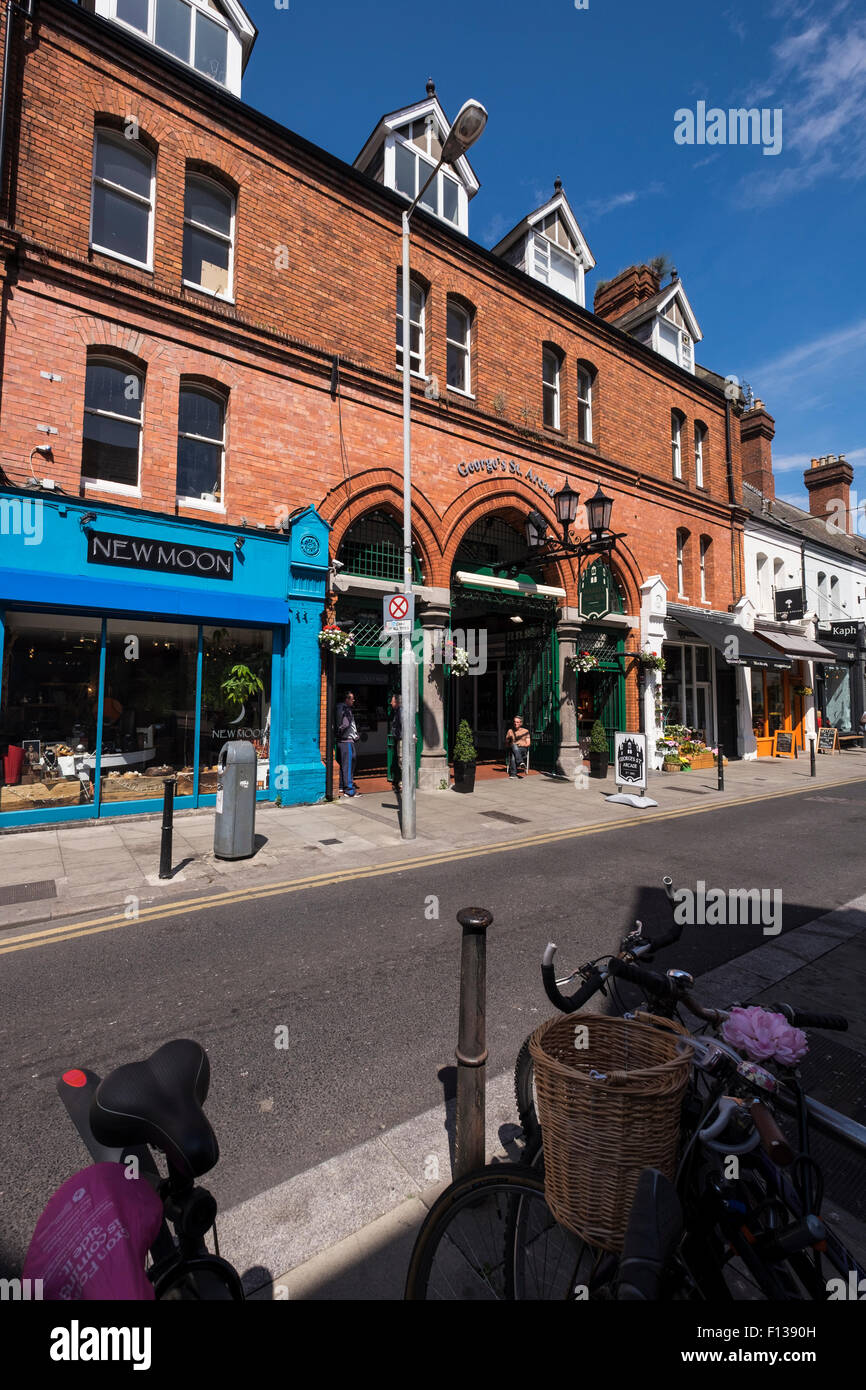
398, 613
629, 755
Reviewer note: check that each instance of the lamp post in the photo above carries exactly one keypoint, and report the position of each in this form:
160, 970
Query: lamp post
599, 541
468, 125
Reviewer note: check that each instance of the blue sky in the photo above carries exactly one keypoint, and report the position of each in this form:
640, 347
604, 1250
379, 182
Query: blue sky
770, 248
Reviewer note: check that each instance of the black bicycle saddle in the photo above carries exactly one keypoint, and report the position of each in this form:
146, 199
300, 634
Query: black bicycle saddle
158, 1102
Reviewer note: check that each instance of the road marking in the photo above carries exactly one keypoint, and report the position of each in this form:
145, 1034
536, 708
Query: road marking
53, 935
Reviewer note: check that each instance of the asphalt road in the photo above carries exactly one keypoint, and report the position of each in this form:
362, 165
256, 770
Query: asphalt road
364, 977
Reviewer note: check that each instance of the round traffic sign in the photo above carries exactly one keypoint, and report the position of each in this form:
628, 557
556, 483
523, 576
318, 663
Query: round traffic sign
398, 606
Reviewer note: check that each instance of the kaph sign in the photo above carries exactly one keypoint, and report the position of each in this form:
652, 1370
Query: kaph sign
137, 553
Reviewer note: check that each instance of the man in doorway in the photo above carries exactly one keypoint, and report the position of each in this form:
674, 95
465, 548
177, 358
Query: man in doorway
346, 736
517, 741
397, 734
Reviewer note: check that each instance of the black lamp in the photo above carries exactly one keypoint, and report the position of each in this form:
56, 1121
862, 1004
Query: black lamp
566, 502
536, 529
598, 510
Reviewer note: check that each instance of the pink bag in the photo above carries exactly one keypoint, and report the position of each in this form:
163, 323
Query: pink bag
92, 1238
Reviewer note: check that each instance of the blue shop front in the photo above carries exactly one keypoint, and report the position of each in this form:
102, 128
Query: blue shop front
133, 646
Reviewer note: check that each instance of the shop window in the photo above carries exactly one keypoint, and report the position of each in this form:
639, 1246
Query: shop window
458, 336
111, 449
585, 383
417, 305
677, 422
49, 701
551, 365
148, 721
236, 699
836, 692
200, 447
122, 200
687, 688
768, 703
700, 442
208, 236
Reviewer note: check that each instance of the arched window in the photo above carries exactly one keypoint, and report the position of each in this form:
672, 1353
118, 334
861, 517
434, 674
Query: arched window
585, 385
763, 568
677, 422
682, 541
700, 448
417, 303
706, 567
111, 448
121, 214
835, 600
823, 599
551, 367
373, 547
208, 236
458, 333
201, 429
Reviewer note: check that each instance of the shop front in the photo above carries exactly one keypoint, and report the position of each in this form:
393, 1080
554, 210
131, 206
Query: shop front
132, 647
840, 695
781, 700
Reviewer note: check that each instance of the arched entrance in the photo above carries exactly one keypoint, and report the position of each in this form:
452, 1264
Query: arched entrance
371, 551
516, 635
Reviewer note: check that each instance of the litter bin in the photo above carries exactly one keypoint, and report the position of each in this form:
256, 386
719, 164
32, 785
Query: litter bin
235, 822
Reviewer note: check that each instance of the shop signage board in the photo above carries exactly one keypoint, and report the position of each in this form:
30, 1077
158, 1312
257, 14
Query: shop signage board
398, 613
789, 604
844, 632
827, 740
629, 756
784, 744
166, 557
594, 595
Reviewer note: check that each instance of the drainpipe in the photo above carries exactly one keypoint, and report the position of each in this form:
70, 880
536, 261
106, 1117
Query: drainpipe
729, 461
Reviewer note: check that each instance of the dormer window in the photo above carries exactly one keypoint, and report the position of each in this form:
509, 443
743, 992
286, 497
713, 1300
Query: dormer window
213, 37
414, 162
549, 246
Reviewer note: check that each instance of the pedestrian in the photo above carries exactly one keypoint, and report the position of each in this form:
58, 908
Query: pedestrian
517, 741
346, 736
397, 735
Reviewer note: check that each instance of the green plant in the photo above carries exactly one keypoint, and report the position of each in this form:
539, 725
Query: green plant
241, 684
443, 785
598, 738
464, 748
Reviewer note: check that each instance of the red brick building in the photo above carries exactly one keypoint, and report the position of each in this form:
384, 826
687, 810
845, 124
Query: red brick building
198, 318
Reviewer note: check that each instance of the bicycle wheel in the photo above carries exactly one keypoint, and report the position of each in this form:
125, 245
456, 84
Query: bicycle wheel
491, 1236
524, 1095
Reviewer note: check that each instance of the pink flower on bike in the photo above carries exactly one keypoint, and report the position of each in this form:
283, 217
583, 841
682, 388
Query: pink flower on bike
765, 1036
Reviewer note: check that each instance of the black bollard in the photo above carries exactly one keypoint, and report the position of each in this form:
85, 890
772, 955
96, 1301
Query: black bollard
721, 763
167, 824
470, 1135
812, 768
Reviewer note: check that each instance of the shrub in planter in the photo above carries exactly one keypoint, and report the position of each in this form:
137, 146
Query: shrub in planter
465, 758
598, 755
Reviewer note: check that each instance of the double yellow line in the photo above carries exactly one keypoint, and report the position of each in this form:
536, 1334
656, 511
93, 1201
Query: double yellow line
50, 936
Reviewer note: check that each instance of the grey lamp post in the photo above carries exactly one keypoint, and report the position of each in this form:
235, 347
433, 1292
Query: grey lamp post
468, 125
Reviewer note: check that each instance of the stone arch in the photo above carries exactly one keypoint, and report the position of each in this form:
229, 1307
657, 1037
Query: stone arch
511, 505
382, 489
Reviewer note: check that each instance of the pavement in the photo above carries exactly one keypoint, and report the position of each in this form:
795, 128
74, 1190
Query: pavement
344, 1229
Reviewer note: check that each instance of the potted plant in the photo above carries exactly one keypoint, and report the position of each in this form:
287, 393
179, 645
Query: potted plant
598, 754
465, 758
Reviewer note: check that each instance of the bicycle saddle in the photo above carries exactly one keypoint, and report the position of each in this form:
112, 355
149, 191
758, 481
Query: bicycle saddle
158, 1101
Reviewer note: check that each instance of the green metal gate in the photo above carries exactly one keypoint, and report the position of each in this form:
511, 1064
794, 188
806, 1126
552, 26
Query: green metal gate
531, 688
607, 682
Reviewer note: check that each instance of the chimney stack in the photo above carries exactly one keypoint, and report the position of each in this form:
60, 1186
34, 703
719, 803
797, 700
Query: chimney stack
757, 428
828, 482
630, 288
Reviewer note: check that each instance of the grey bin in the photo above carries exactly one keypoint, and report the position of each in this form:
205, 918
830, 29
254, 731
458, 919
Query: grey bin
234, 833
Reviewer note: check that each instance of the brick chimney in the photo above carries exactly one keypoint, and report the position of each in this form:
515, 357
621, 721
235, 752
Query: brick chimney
828, 483
757, 428
630, 288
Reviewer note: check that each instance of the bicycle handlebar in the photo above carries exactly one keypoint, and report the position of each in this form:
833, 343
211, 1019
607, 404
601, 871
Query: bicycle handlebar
560, 1001
800, 1019
649, 980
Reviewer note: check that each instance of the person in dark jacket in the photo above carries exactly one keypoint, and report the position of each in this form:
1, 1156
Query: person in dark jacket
346, 736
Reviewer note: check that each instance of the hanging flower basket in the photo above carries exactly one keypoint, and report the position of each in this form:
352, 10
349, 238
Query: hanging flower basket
584, 661
460, 662
802, 690
334, 639
650, 662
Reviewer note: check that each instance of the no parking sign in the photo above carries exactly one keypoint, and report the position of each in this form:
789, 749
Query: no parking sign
398, 613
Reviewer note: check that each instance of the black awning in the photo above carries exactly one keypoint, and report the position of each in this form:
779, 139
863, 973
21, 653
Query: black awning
738, 646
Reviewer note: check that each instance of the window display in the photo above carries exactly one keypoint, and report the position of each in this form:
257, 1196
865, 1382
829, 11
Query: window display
236, 698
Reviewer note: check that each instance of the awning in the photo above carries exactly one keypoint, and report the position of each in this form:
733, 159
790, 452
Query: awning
738, 646
800, 648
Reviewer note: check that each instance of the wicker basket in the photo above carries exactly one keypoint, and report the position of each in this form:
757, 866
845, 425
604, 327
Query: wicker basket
607, 1110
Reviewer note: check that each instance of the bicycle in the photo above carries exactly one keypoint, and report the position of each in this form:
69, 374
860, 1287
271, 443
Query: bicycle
156, 1104
492, 1235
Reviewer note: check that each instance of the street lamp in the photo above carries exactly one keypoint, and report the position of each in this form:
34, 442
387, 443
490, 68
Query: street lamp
468, 125
542, 550
598, 510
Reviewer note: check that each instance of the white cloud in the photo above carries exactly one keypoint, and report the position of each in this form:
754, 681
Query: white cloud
597, 207
818, 354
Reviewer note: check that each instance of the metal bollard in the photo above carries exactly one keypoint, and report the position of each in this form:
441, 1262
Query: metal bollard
812, 768
167, 825
470, 1135
721, 763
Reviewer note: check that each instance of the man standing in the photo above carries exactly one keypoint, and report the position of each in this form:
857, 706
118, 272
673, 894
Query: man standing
517, 741
346, 736
397, 735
